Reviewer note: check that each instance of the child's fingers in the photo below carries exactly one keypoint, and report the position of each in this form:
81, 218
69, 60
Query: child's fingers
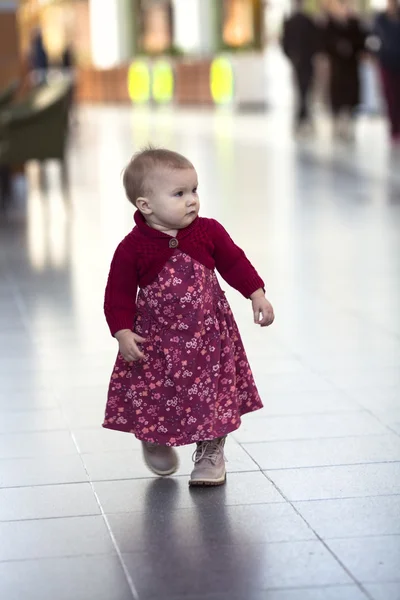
132, 354
257, 316
136, 353
264, 320
267, 319
138, 338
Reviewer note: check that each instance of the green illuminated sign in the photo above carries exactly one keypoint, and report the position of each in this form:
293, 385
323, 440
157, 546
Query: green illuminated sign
222, 80
139, 82
163, 82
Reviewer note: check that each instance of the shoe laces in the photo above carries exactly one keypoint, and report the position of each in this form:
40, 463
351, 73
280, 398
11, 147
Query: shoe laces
209, 450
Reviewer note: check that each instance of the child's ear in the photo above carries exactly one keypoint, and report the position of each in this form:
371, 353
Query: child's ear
143, 205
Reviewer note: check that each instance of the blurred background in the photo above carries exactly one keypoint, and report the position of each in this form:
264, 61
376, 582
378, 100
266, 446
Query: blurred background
160, 51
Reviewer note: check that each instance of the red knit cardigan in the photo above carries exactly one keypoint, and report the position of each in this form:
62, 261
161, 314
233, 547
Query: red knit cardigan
144, 251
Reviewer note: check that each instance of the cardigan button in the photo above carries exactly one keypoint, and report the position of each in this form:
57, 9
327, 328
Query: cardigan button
173, 243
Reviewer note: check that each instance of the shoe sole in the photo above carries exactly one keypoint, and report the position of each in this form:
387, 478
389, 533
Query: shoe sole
207, 482
161, 473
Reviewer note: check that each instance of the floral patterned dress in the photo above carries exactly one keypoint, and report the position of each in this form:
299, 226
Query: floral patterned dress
195, 381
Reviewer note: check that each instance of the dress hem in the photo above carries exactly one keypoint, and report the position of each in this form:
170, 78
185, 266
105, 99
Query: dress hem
188, 440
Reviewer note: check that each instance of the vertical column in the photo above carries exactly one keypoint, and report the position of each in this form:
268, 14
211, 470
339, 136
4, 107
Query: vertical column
126, 20
112, 32
9, 43
195, 24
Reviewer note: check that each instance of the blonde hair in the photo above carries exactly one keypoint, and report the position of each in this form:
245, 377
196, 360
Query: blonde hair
137, 172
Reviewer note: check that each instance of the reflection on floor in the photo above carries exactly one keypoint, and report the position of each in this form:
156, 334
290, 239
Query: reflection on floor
311, 509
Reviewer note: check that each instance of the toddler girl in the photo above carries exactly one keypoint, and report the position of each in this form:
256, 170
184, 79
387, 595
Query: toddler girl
181, 374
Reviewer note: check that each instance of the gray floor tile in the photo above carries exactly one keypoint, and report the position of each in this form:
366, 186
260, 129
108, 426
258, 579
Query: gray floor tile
12, 382
116, 465
353, 517
41, 470
365, 378
205, 524
11, 321
43, 502
46, 538
83, 414
370, 559
232, 568
309, 426
35, 399
384, 591
79, 380
131, 495
325, 452
338, 482
388, 417
291, 382
336, 592
37, 420
386, 356
86, 362
83, 578
377, 398
395, 427
277, 365
303, 403
25, 445
89, 396
104, 440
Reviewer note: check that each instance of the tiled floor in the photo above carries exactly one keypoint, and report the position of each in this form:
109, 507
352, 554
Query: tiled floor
311, 510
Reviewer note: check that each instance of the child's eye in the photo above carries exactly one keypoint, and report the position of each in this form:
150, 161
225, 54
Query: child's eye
195, 190
179, 194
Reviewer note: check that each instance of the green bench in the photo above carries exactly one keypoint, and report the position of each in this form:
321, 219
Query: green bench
7, 94
37, 127
34, 129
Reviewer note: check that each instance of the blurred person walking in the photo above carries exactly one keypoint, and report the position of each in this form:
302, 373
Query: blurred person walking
38, 58
301, 42
68, 67
344, 43
387, 30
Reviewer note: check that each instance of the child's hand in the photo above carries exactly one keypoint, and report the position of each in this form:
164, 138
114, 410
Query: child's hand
128, 345
262, 309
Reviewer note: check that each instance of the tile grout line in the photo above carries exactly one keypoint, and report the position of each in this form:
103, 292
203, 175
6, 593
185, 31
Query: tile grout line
313, 439
388, 427
323, 542
89, 480
334, 466
128, 578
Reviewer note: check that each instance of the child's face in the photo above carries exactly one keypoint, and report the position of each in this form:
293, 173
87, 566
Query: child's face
173, 200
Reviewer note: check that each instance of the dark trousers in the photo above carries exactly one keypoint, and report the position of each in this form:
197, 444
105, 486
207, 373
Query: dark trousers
304, 76
344, 86
5, 185
391, 89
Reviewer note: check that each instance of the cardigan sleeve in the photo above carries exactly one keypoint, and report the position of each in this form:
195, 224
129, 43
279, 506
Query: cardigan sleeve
121, 289
232, 263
